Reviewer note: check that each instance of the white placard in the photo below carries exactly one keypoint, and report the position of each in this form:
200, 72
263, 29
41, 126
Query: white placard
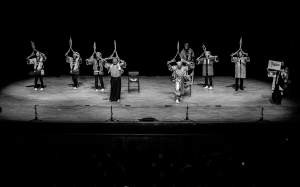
274, 65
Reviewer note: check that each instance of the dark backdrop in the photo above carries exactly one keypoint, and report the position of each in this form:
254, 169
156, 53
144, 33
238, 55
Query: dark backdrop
147, 34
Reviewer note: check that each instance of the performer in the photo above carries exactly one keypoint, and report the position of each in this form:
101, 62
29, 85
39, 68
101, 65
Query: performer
240, 66
38, 66
74, 65
98, 64
187, 53
280, 78
115, 70
286, 79
182, 78
207, 67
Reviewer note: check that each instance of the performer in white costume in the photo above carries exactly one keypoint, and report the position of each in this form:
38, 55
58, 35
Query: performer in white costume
98, 64
38, 63
75, 62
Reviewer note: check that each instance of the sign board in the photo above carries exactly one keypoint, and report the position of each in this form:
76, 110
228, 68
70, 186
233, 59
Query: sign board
274, 65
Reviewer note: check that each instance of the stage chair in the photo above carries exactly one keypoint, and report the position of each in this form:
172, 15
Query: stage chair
133, 77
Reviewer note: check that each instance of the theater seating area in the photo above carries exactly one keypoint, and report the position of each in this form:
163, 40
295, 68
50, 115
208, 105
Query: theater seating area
130, 165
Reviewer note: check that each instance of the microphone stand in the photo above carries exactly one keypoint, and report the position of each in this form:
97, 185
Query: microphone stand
36, 115
262, 120
111, 116
187, 115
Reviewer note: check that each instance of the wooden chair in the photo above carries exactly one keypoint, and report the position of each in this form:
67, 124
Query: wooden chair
133, 77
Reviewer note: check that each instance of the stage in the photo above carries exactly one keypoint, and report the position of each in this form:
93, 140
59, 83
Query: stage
59, 102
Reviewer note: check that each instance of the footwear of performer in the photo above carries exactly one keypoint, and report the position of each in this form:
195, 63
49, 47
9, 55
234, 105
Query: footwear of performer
242, 88
102, 90
74, 88
96, 90
35, 89
210, 87
236, 89
177, 101
118, 101
41, 89
206, 87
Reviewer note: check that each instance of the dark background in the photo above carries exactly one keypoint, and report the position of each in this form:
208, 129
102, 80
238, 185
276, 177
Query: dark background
147, 34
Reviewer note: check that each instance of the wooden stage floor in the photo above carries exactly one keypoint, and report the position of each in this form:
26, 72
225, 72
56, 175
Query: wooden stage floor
59, 102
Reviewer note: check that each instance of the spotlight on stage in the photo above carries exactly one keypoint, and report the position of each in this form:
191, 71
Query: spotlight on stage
148, 119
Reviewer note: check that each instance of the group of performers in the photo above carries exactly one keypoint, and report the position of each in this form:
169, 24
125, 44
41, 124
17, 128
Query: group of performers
182, 71
115, 69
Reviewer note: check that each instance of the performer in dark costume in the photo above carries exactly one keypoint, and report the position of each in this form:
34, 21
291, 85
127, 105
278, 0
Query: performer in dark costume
115, 81
115, 70
286, 79
38, 63
240, 66
98, 64
207, 67
279, 79
74, 65
187, 53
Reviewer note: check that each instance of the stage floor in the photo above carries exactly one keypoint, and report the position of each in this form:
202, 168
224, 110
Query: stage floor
59, 102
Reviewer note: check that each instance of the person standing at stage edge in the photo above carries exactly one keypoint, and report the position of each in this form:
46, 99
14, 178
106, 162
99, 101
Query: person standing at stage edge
207, 67
115, 71
98, 64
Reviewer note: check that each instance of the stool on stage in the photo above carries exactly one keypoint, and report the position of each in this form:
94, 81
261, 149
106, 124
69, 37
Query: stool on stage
133, 77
